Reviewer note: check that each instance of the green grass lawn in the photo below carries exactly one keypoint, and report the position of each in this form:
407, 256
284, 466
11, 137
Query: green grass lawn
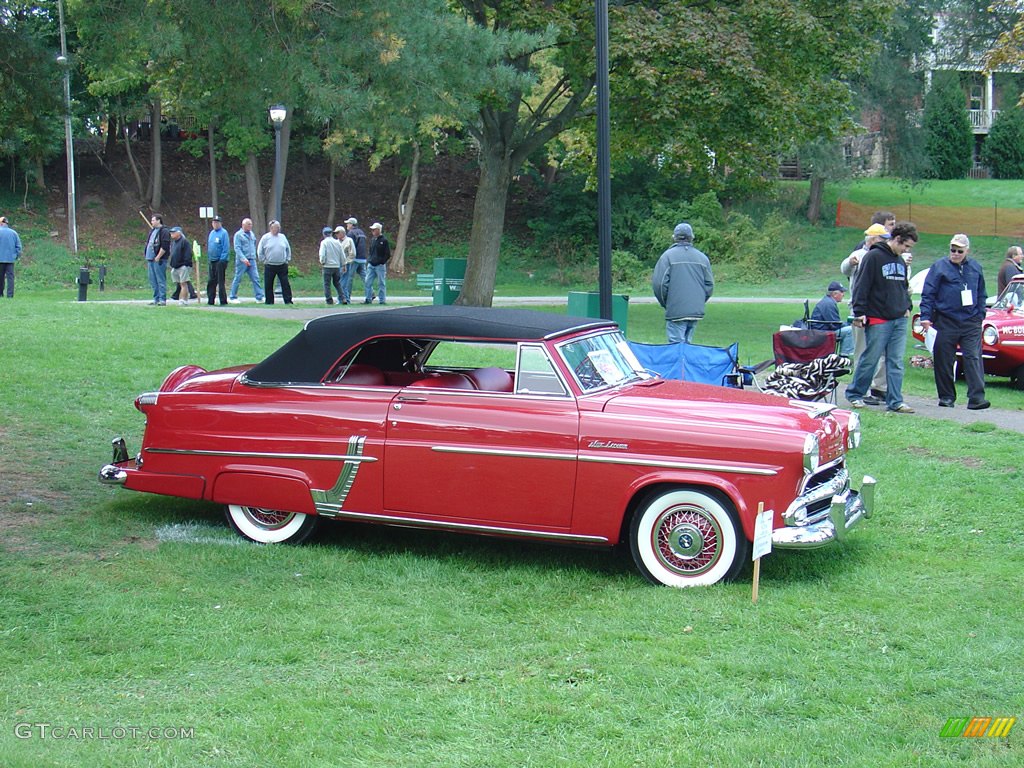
393, 647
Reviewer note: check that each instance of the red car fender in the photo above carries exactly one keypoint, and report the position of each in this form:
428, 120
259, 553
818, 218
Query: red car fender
269, 491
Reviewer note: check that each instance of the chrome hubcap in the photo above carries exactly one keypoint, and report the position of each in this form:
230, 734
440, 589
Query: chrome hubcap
687, 540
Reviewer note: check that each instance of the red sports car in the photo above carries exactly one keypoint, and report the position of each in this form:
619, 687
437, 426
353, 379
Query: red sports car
1002, 335
503, 423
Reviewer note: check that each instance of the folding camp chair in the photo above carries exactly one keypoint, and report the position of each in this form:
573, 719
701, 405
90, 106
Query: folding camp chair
806, 365
694, 362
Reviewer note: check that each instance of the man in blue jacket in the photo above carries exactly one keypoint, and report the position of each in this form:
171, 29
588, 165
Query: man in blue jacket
953, 304
218, 248
826, 317
10, 252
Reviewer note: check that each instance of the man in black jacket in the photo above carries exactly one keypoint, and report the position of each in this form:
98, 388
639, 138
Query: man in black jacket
181, 263
881, 305
377, 257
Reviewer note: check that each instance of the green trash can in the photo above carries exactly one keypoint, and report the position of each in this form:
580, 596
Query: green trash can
448, 277
588, 304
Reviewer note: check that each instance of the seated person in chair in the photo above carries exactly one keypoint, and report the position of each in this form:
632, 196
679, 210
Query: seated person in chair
825, 317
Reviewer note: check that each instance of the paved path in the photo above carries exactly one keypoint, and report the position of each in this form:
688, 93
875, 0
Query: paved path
307, 308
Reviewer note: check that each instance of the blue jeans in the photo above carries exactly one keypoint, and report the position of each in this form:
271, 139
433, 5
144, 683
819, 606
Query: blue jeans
254, 275
889, 338
380, 274
347, 273
845, 337
680, 330
158, 279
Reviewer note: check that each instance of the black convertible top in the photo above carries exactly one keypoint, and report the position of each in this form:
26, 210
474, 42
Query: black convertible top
309, 356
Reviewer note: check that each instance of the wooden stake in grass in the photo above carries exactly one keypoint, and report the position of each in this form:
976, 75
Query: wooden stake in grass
762, 542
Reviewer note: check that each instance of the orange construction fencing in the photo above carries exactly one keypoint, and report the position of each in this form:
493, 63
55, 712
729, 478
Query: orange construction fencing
995, 221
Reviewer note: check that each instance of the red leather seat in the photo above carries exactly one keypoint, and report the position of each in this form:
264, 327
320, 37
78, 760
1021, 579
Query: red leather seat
445, 381
363, 375
491, 379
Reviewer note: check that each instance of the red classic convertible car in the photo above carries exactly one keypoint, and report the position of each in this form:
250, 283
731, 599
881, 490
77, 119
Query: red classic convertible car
1002, 334
502, 423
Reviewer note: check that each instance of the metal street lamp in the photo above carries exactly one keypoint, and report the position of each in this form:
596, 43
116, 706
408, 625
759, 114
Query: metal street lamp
604, 185
69, 145
278, 114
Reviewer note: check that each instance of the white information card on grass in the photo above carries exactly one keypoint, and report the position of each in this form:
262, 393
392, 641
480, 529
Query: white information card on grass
763, 533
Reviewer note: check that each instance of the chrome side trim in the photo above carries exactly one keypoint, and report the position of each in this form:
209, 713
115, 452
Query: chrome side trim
692, 465
411, 522
329, 500
500, 452
266, 455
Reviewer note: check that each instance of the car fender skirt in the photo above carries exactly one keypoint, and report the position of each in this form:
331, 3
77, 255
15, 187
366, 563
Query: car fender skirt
248, 489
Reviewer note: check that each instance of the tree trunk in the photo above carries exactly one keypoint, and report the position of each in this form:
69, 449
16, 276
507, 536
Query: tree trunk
255, 193
332, 200
406, 201
111, 138
814, 198
286, 132
156, 169
40, 182
488, 225
213, 169
131, 162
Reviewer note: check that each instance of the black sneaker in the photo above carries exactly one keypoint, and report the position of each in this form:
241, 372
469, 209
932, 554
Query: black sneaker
947, 404
879, 393
871, 400
979, 406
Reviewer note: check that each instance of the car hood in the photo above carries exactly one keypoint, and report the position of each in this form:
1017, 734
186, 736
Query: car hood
702, 402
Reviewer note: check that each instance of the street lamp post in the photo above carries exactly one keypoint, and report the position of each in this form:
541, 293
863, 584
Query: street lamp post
69, 145
278, 114
604, 185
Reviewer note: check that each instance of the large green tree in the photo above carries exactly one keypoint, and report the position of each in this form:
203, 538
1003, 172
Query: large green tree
712, 88
31, 109
949, 140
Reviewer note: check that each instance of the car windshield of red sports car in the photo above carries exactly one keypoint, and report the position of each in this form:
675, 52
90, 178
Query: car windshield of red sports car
1013, 296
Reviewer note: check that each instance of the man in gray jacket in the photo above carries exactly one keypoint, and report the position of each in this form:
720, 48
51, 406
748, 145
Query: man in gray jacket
682, 284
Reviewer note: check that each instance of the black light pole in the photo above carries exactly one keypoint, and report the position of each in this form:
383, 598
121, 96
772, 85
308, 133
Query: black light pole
604, 186
69, 142
278, 113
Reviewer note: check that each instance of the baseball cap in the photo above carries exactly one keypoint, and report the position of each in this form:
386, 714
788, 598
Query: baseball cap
835, 285
376, 225
217, 218
326, 231
876, 230
960, 240
176, 229
351, 220
338, 229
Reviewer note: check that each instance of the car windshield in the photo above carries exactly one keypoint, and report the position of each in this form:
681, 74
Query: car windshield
604, 360
1013, 295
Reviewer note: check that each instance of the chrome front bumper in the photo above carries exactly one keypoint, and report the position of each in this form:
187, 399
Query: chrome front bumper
846, 510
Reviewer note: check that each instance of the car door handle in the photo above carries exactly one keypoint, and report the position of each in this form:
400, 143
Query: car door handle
398, 406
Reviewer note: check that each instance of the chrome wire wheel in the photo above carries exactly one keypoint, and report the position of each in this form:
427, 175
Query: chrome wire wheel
686, 537
271, 526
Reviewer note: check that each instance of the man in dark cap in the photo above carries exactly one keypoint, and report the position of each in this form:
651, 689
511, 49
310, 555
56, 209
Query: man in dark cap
826, 317
180, 263
218, 249
682, 284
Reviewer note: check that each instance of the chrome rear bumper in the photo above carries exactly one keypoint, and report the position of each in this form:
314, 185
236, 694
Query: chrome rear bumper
847, 509
111, 474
